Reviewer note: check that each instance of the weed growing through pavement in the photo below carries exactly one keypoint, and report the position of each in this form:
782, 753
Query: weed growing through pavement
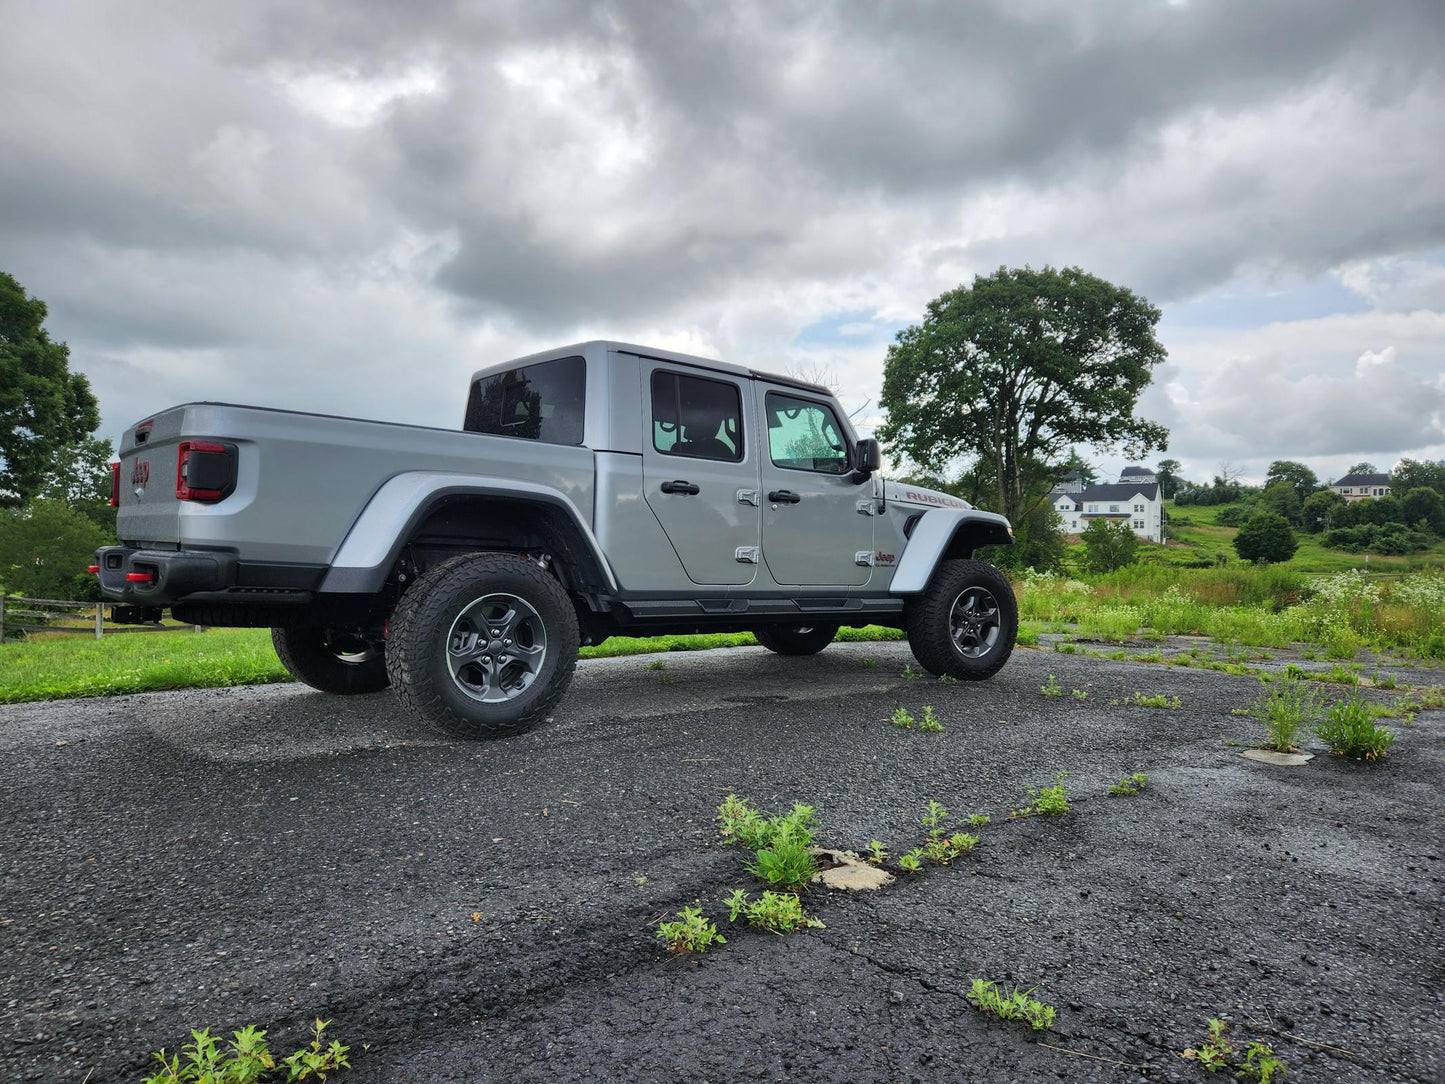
1046, 801
1158, 700
868, 662
1051, 687
877, 852
777, 912
1129, 786
912, 861
1260, 1065
788, 863
1430, 697
902, 718
989, 997
978, 820
939, 846
948, 679
1383, 681
1214, 1054
1081, 695
1348, 729
657, 664
690, 932
245, 1059
910, 673
929, 724
1286, 707
1065, 649
739, 822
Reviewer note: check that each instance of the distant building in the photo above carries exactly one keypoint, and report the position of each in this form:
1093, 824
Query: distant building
1135, 499
1354, 486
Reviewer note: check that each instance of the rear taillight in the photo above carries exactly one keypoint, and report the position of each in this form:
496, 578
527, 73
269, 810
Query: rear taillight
115, 485
205, 471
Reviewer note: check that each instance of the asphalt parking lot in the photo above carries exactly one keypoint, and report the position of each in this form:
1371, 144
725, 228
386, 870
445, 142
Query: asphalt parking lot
485, 911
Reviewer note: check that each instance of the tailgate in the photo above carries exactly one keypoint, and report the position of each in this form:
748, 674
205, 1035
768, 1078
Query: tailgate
165, 472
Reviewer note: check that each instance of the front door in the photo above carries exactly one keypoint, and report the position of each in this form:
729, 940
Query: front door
700, 470
817, 525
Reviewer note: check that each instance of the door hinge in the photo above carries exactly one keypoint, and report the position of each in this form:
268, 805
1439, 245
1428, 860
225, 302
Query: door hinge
868, 507
863, 557
748, 496
747, 555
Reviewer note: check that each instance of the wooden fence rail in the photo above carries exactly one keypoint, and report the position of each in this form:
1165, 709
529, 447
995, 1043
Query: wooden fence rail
36, 614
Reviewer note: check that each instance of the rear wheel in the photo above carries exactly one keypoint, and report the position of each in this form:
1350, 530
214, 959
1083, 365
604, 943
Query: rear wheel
331, 660
483, 645
965, 622
796, 639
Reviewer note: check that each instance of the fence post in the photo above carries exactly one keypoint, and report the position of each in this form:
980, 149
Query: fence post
2, 618
99, 620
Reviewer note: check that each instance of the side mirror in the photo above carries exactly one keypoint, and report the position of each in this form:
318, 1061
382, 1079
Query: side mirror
867, 458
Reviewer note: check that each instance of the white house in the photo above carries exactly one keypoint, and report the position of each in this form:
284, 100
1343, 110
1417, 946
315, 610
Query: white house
1354, 486
1135, 499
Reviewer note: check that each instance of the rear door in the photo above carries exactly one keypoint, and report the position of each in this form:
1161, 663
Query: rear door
817, 525
700, 470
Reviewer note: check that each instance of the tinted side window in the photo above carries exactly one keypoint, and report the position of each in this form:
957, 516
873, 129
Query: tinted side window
804, 435
544, 402
696, 417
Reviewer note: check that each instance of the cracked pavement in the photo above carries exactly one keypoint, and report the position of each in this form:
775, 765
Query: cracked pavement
477, 912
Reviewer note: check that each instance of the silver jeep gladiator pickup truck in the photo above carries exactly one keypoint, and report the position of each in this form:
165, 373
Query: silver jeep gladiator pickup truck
595, 490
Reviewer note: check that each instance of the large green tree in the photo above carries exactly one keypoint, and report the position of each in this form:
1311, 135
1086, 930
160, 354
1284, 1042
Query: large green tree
1014, 370
44, 548
1296, 475
1109, 546
1414, 473
47, 413
1169, 480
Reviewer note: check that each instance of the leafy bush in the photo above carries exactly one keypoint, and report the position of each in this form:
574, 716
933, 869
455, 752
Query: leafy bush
1046, 801
1348, 729
1265, 537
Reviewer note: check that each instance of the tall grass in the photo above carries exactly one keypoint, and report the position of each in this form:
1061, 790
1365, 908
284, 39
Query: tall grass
1257, 607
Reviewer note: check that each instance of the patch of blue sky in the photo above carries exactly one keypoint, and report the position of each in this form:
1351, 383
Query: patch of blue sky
857, 328
1245, 304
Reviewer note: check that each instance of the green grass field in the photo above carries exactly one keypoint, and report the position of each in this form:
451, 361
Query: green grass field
56, 667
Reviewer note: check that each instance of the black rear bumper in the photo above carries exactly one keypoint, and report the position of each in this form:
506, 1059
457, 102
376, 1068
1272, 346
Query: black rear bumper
159, 577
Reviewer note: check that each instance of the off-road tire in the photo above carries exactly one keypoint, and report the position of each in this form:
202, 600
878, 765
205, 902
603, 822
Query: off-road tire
934, 629
420, 638
797, 640
325, 660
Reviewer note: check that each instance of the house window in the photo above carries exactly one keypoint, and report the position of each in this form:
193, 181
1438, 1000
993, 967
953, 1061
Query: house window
1138, 508
1113, 508
1138, 525
1093, 508
1348, 489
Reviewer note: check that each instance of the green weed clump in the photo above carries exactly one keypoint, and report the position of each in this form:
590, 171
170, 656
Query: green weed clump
1348, 729
929, 723
1286, 707
939, 846
1051, 687
245, 1059
690, 932
902, 718
1051, 801
776, 912
1214, 1053
782, 844
989, 997
1130, 785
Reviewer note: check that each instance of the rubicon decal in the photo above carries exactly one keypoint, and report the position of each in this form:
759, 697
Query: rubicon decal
931, 498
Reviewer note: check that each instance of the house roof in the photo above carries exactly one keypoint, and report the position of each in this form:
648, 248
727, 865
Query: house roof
1120, 492
1362, 480
1135, 472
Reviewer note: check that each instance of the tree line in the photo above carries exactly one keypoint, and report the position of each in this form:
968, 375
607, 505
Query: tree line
54, 472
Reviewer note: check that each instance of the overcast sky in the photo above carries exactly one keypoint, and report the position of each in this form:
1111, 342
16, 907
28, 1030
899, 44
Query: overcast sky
349, 207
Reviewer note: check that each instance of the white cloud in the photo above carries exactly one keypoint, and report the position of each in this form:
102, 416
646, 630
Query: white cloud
348, 99
1396, 282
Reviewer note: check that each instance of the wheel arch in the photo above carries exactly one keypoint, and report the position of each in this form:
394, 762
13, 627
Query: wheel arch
463, 511
943, 534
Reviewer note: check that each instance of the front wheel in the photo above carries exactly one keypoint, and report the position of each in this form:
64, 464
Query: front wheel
331, 660
483, 645
965, 622
796, 639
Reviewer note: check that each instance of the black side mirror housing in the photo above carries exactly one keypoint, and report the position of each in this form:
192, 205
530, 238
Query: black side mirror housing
867, 458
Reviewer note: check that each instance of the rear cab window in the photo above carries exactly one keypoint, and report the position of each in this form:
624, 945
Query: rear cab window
805, 435
546, 402
696, 417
